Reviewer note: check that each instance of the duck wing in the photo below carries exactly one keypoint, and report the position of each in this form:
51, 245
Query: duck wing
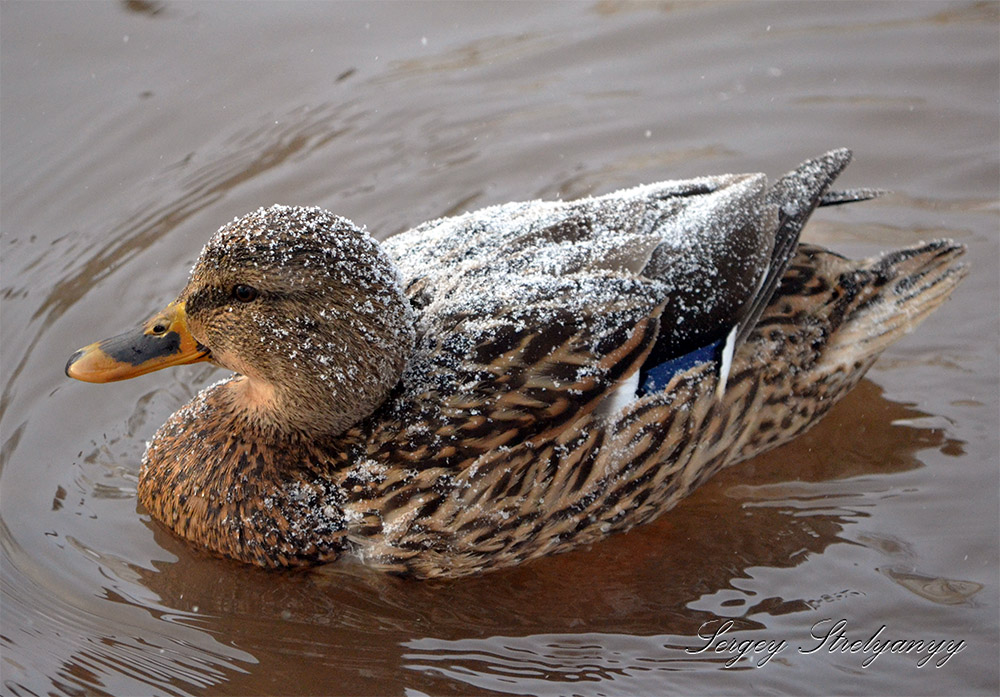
530, 315
725, 266
796, 195
522, 358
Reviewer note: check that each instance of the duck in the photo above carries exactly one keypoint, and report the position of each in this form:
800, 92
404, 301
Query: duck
489, 388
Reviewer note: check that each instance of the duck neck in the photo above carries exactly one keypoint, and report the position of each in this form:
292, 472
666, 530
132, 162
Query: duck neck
257, 404
281, 413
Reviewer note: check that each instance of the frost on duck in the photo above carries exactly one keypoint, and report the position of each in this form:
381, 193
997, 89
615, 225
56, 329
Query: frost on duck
512, 382
692, 252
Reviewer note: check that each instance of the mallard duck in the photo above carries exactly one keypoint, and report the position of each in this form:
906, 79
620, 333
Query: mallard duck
513, 382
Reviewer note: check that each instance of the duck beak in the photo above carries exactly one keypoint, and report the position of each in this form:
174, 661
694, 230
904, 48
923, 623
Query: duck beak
160, 342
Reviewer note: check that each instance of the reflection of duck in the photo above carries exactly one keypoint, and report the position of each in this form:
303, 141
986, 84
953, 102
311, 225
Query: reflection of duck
508, 383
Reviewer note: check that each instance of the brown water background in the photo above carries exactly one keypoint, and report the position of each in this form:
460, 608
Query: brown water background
130, 131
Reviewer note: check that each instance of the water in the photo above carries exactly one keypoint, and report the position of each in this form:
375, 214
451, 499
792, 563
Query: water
131, 131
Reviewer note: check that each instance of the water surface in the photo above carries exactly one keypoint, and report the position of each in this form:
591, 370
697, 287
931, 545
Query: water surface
131, 131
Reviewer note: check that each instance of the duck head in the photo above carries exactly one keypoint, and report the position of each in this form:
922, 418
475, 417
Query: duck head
302, 304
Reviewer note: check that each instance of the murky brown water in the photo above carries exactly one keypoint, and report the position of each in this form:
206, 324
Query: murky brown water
131, 131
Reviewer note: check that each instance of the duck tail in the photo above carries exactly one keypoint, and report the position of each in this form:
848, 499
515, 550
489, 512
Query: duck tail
888, 296
829, 321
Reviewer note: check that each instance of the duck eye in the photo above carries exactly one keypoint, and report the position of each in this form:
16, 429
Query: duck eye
244, 293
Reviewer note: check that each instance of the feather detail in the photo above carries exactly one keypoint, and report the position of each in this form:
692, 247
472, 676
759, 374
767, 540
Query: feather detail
513, 382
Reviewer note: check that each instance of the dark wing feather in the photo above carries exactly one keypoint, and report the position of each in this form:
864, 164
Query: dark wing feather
713, 252
836, 198
796, 195
738, 244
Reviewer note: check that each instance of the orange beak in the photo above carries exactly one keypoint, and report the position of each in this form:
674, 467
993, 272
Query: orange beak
160, 342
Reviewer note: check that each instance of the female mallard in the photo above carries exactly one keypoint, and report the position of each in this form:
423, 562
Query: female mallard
504, 384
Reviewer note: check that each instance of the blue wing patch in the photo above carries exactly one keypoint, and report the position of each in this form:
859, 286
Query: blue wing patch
658, 377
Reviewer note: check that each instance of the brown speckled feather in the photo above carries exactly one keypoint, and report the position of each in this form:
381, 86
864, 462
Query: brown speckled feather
597, 477
467, 398
499, 504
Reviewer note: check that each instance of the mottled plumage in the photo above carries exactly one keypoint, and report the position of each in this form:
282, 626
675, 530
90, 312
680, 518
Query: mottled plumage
467, 396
